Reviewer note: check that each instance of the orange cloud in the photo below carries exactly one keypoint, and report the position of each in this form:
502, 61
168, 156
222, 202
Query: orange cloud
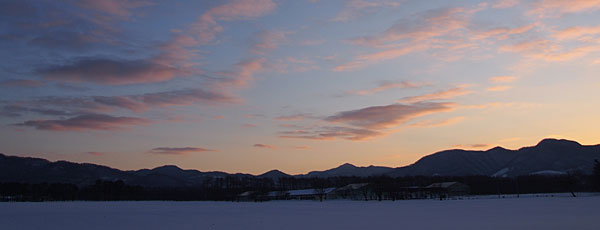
302, 147
556, 8
502, 79
363, 60
576, 32
473, 146
432, 124
438, 95
499, 88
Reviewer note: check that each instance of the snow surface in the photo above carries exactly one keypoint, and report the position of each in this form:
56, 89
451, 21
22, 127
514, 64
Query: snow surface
527, 212
548, 172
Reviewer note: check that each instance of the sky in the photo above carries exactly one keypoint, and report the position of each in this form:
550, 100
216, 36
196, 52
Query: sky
297, 85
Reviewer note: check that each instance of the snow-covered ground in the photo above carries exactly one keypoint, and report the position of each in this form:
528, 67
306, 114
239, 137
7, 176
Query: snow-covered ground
529, 212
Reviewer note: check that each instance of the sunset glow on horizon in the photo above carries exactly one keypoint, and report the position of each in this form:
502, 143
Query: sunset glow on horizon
254, 85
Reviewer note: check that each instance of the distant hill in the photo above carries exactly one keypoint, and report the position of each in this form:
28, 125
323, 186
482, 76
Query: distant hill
350, 170
274, 174
548, 157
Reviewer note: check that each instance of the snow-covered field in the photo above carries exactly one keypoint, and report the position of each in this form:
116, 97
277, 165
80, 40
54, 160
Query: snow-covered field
557, 212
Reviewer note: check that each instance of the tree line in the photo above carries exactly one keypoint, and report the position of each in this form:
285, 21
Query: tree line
228, 188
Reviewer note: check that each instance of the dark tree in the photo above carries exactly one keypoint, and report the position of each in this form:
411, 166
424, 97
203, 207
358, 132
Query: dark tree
596, 175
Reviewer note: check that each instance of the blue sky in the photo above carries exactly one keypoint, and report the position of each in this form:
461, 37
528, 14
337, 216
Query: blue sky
252, 85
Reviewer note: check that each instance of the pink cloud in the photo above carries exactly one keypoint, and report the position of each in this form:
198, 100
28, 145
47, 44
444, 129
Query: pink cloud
382, 117
114, 7
502, 33
243, 75
548, 51
438, 95
331, 133
180, 150
387, 85
121, 102
183, 97
577, 32
295, 117
355, 8
264, 146
502, 79
85, 122
426, 25
499, 88
366, 59
268, 40
556, 8
473, 146
503, 4
206, 27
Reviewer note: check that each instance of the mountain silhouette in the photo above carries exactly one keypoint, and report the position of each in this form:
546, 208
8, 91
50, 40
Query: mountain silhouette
549, 156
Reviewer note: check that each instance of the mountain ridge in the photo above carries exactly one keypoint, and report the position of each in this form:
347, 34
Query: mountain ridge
549, 155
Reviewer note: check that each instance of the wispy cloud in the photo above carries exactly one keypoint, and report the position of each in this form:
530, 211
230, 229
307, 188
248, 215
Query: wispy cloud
21, 83
109, 72
381, 117
180, 150
85, 122
384, 86
440, 123
472, 146
294, 117
331, 133
95, 153
268, 40
499, 88
575, 32
437, 95
503, 4
264, 146
355, 8
502, 79
557, 8
206, 28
